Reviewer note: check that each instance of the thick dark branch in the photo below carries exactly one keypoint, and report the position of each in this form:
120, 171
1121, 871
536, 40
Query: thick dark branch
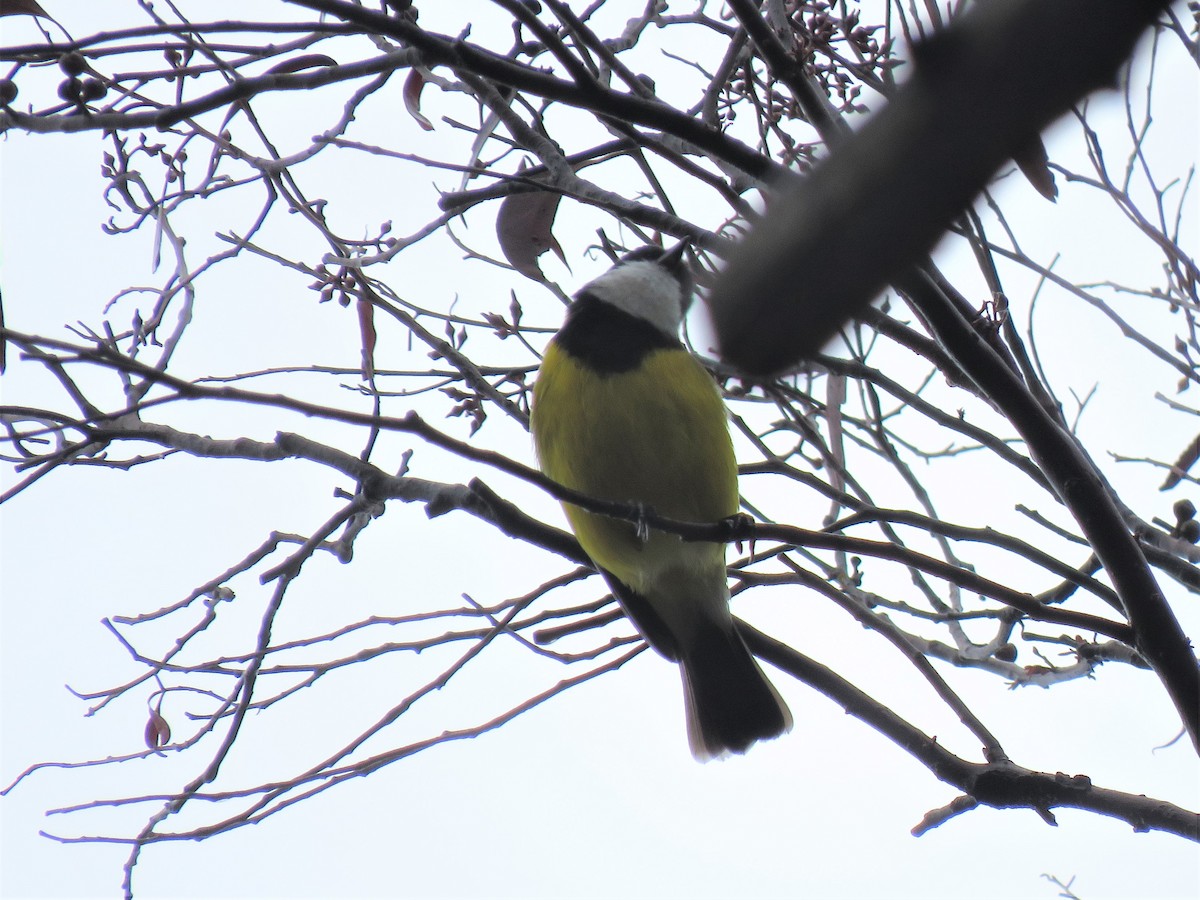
1081, 488
863, 217
1003, 784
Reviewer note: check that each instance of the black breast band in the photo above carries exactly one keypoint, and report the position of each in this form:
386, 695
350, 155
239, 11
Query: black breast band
608, 339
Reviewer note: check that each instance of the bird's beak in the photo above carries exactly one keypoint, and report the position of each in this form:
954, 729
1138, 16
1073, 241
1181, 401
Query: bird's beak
672, 260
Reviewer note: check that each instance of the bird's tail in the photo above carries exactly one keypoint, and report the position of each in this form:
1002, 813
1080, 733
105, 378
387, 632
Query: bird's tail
730, 702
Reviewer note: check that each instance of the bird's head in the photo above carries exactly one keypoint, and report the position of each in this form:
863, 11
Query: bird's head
650, 283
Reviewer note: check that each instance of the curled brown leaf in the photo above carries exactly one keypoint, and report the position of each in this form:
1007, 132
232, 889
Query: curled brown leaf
413, 86
524, 228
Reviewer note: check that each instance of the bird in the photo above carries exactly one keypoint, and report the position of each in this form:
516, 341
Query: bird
623, 412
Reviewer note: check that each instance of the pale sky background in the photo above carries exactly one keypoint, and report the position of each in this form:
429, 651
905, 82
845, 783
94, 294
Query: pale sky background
590, 795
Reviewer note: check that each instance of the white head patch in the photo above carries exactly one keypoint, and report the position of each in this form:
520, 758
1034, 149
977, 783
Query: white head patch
643, 289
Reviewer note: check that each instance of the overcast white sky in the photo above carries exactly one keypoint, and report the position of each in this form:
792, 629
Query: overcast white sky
591, 795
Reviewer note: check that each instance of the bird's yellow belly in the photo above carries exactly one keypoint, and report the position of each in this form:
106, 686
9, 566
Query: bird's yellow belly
654, 436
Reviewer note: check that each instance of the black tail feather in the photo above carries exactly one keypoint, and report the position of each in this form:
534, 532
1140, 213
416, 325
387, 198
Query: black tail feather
730, 702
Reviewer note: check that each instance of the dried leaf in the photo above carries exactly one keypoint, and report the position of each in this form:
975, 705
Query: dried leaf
22, 8
412, 98
158, 732
300, 63
1034, 164
523, 228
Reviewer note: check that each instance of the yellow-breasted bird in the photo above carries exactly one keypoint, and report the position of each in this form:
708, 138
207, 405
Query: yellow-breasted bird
623, 412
